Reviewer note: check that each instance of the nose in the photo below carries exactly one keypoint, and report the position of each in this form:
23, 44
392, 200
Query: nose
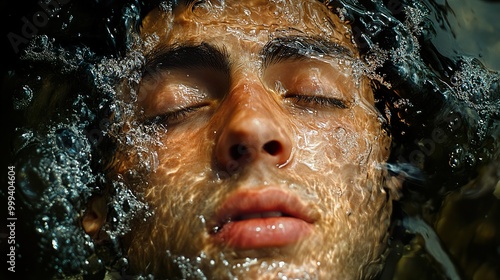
254, 130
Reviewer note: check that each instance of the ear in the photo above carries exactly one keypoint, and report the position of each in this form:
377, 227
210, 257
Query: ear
95, 216
394, 185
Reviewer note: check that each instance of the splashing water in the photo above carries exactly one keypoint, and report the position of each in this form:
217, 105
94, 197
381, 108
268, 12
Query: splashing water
450, 106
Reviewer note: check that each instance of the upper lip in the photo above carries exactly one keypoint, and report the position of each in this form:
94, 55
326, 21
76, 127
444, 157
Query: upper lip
264, 202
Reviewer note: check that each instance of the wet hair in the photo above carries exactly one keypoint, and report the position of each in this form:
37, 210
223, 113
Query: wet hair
442, 114
441, 110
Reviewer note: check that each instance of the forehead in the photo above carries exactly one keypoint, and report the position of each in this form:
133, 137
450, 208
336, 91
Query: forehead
258, 20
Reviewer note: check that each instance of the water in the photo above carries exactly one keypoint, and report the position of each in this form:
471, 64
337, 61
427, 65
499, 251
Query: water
434, 61
472, 27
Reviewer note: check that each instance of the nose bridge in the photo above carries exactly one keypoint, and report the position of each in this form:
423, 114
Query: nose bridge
253, 129
251, 106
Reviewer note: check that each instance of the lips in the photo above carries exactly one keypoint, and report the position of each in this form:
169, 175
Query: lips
268, 217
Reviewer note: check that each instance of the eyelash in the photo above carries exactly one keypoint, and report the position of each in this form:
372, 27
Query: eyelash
172, 117
320, 101
308, 100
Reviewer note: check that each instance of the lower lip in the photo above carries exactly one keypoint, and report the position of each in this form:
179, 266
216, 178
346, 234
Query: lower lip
263, 232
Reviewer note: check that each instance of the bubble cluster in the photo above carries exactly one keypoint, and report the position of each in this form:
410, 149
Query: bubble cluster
55, 180
60, 149
478, 88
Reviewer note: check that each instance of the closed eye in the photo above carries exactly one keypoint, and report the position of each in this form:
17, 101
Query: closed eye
176, 116
317, 101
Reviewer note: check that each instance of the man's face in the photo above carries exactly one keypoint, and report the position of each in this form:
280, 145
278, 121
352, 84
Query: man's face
270, 163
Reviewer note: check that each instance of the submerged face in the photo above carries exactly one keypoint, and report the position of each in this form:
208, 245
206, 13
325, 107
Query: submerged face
271, 155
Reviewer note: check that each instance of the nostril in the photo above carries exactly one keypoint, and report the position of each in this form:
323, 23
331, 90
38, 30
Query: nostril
237, 151
273, 147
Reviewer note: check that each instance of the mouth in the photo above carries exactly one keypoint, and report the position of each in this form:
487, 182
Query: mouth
262, 218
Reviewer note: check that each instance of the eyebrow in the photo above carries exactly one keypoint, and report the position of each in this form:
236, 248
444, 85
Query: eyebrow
208, 56
187, 57
299, 48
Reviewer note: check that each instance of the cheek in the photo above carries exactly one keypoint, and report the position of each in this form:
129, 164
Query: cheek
340, 143
176, 190
342, 161
183, 161
181, 176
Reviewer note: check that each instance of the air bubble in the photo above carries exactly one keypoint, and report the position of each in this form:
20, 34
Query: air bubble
23, 99
456, 160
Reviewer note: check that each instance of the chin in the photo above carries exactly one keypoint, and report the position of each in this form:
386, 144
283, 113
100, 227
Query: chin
335, 260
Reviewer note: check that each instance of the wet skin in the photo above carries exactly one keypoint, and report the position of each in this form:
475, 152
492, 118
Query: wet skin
271, 152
